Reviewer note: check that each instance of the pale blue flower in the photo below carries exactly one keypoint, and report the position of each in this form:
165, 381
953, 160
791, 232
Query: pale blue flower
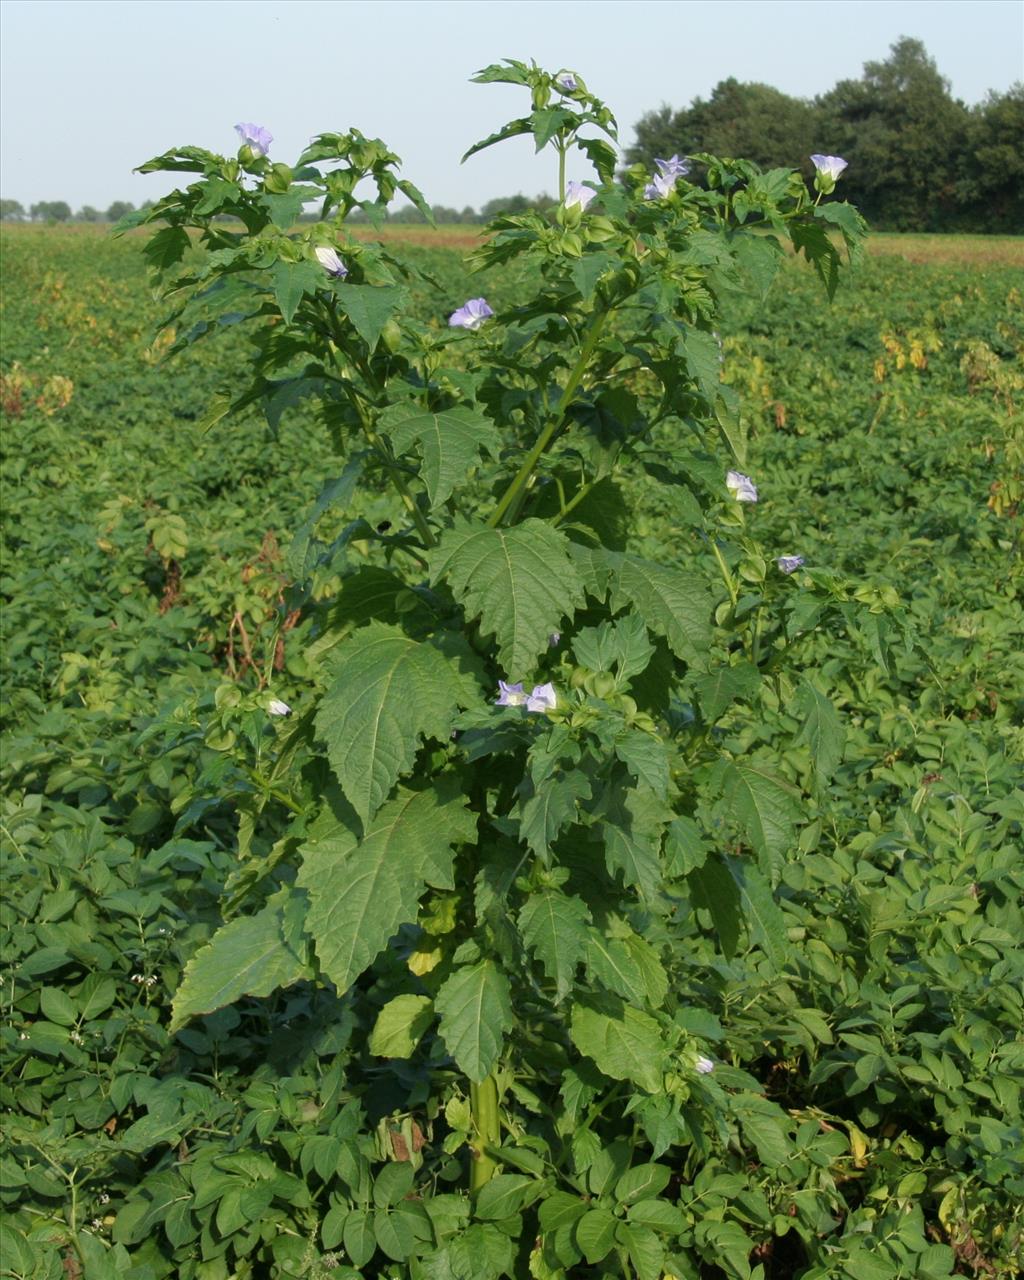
704, 1065
659, 187
255, 136
673, 167
828, 166
577, 196
276, 707
741, 487
542, 698
471, 314
554, 639
331, 263
789, 564
510, 695
567, 81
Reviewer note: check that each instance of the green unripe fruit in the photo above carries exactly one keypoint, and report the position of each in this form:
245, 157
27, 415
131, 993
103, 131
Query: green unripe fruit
579, 678
278, 180
601, 684
391, 335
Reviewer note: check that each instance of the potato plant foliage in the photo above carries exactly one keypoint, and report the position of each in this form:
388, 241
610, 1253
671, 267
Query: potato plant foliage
582, 841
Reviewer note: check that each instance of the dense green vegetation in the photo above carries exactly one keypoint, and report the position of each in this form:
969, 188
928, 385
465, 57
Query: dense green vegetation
867, 1097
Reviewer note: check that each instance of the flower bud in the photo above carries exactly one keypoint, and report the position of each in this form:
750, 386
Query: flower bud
278, 180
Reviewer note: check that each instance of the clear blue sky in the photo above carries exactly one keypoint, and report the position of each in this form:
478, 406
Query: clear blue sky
91, 88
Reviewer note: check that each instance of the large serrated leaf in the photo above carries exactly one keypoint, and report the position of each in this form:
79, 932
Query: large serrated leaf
764, 919
451, 440
625, 1043
764, 807
552, 808
673, 603
822, 730
370, 307
362, 890
716, 690
388, 694
554, 927
253, 956
519, 582
475, 1005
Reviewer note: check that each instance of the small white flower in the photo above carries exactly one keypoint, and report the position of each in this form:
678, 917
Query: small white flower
331, 263
104, 1198
577, 196
138, 977
704, 1065
542, 698
741, 487
276, 707
151, 980
828, 166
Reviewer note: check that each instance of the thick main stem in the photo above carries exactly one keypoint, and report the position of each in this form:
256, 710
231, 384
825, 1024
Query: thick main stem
483, 1103
522, 476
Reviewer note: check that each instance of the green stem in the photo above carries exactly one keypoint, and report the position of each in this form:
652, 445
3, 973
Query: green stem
727, 577
524, 473
483, 1103
561, 171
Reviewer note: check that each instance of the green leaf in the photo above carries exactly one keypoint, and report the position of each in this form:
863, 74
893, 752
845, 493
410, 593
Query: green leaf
519, 582
546, 122
370, 307
390, 693
554, 927
822, 730
358, 1237
400, 1025
506, 1194
715, 890
253, 955
552, 808
645, 755
451, 440
393, 1184
632, 823
627, 966
622, 647
765, 921
673, 603
765, 808
475, 1005
759, 256
166, 248
394, 1233
291, 282
644, 1249
361, 891
595, 1234
642, 1182
514, 129
721, 686
625, 1043
703, 361
58, 1007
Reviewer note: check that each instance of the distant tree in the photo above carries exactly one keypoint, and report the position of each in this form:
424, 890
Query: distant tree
406, 214
50, 211
11, 211
514, 204
118, 210
902, 133
739, 119
88, 214
990, 190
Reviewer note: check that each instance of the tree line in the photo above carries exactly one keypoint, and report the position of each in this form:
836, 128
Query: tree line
919, 159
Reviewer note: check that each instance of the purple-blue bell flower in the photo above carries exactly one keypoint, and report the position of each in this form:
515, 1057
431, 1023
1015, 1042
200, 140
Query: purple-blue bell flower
577, 196
255, 136
741, 487
567, 81
673, 167
789, 564
542, 698
510, 695
704, 1065
829, 166
471, 314
276, 707
331, 263
659, 187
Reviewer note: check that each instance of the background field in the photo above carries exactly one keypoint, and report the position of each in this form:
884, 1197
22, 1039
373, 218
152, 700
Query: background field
145, 564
